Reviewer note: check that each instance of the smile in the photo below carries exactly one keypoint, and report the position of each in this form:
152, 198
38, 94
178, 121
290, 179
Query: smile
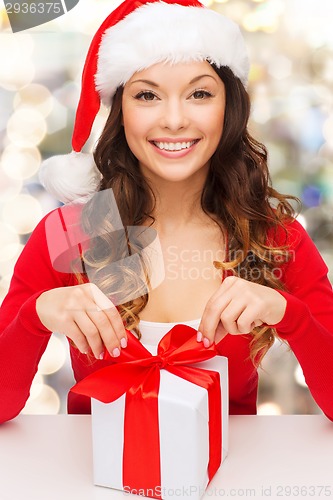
174, 146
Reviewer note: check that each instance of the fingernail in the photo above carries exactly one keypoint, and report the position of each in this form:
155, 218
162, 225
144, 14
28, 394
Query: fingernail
115, 352
123, 342
199, 337
206, 342
101, 356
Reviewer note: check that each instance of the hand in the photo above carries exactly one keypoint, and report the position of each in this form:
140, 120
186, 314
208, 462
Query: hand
85, 315
237, 307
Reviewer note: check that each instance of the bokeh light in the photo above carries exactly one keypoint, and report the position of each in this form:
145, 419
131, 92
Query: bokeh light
299, 376
9, 188
269, 408
26, 127
47, 402
20, 163
57, 120
328, 130
54, 357
16, 68
36, 386
22, 213
4, 285
302, 220
264, 17
12, 254
34, 96
8, 239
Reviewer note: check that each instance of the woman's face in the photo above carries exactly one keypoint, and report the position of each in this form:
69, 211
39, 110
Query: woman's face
173, 118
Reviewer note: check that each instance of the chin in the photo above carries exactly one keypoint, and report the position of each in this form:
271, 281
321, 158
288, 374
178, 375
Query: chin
177, 177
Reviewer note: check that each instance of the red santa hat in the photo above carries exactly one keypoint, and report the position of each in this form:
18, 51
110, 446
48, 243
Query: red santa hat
136, 35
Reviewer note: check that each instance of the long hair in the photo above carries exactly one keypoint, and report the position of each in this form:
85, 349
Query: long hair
237, 191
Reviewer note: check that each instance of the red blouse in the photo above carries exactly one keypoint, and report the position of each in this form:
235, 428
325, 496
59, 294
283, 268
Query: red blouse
307, 324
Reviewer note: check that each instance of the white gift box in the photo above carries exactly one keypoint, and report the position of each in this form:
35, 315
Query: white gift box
184, 435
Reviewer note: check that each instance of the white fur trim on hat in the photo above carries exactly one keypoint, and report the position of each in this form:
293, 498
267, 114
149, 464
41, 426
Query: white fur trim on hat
159, 31
70, 177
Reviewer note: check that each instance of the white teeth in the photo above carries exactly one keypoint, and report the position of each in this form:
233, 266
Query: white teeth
174, 146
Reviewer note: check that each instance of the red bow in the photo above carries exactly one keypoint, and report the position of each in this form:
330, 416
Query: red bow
136, 372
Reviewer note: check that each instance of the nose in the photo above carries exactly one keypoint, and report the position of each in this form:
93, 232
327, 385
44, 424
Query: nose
174, 115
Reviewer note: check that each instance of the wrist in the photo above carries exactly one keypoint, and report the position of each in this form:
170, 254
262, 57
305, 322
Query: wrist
295, 315
29, 317
278, 309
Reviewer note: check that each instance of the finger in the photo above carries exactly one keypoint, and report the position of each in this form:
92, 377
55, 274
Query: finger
230, 315
74, 333
107, 319
247, 320
256, 323
91, 333
210, 319
117, 324
212, 313
109, 337
214, 307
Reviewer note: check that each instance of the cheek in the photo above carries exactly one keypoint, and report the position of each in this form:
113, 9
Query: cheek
132, 132
136, 122
214, 125
136, 129
130, 122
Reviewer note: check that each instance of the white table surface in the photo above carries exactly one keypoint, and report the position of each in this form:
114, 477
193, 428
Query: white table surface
50, 458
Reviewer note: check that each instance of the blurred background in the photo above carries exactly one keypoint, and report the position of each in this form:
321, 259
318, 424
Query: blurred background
290, 44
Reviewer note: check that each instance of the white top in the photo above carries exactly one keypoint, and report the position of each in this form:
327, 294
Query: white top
153, 331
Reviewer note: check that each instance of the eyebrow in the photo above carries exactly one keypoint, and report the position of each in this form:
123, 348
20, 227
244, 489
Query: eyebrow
153, 84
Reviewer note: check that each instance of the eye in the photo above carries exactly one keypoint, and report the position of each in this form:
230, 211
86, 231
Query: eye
202, 94
145, 96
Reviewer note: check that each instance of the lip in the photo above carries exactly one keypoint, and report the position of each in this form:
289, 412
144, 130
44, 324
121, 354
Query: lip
175, 154
174, 140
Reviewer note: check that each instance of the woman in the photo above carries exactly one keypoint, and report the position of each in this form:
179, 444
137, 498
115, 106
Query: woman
175, 156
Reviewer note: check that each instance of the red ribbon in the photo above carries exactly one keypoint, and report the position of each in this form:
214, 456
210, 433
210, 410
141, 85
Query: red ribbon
136, 372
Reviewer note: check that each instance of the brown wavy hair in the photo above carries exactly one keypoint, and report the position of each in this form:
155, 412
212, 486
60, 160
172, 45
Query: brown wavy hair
237, 192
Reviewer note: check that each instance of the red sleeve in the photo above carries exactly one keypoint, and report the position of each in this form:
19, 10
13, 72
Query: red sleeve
23, 338
307, 324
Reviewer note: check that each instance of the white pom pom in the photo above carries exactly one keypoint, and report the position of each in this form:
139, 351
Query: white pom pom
71, 177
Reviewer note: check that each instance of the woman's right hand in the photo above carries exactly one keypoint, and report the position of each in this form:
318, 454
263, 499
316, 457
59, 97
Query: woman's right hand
85, 315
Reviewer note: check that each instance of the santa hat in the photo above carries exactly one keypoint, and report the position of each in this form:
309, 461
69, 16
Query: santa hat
136, 35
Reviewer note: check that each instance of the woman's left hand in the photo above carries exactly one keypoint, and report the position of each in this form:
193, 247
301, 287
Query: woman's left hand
237, 307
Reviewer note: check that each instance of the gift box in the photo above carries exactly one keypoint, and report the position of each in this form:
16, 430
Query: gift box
160, 423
